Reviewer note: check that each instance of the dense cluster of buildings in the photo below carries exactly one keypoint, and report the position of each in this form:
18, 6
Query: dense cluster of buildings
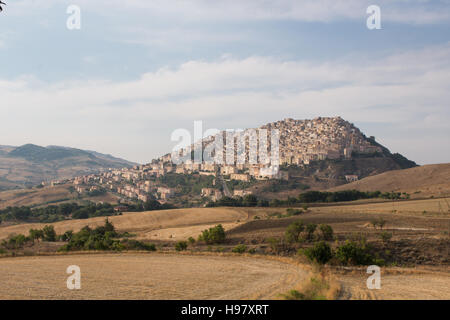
300, 142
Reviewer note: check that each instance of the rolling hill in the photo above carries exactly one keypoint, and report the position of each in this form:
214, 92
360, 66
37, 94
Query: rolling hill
423, 181
31, 164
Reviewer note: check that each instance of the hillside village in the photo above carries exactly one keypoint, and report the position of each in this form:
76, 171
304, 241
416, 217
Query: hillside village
300, 143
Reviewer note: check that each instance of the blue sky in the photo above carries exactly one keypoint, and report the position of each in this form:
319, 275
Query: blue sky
139, 69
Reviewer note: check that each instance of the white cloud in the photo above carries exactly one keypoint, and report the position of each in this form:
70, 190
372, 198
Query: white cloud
128, 117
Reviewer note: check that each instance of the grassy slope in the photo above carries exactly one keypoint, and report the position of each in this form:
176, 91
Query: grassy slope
421, 181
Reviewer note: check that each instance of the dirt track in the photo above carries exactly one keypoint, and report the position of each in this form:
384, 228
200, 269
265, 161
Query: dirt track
147, 276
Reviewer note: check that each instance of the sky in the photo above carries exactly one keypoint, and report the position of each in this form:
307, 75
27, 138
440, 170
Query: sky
137, 70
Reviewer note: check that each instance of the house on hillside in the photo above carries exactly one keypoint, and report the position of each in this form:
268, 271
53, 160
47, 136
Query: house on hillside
351, 178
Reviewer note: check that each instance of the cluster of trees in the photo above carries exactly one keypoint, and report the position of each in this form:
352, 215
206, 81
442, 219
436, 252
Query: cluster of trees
301, 232
352, 252
65, 211
249, 200
187, 183
150, 205
102, 238
281, 185
55, 213
238, 184
18, 241
347, 195
93, 210
306, 197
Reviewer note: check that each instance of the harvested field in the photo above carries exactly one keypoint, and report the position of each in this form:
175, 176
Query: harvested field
28, 197
424, 208
175, 223
408, 221
148, 276
423, 181
407, 285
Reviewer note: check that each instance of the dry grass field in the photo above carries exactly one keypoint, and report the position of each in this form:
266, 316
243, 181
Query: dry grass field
147, 276
397, 285
419, 182
28, 197
178, 224
405, 218
439, 207
47, 195
420, 238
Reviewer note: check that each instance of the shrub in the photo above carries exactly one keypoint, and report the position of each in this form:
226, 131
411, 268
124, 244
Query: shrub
133, 245
294, 230
380, 222
317, 288
214, 235
385, 236
191, 240
240, 248
327, 232
310, 229
293, 212
181, 245
354, 253
15, 241
320, 253
66, 236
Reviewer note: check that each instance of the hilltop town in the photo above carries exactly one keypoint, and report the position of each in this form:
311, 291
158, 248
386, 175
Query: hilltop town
301, 142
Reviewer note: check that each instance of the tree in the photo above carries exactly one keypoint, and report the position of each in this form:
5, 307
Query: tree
213, 235
36, 234
352, 252
250, 200
67, 236
327, 232
181, 246
109, 227
294, 230
320, 253
49, 233
310, 229
385, 236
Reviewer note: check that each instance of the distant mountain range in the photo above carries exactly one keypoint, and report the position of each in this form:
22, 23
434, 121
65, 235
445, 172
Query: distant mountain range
31, 164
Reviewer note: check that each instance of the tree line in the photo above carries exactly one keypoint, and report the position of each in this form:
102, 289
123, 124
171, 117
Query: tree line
306, 197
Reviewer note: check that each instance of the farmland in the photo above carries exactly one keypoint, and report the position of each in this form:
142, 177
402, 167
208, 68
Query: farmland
416, 254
